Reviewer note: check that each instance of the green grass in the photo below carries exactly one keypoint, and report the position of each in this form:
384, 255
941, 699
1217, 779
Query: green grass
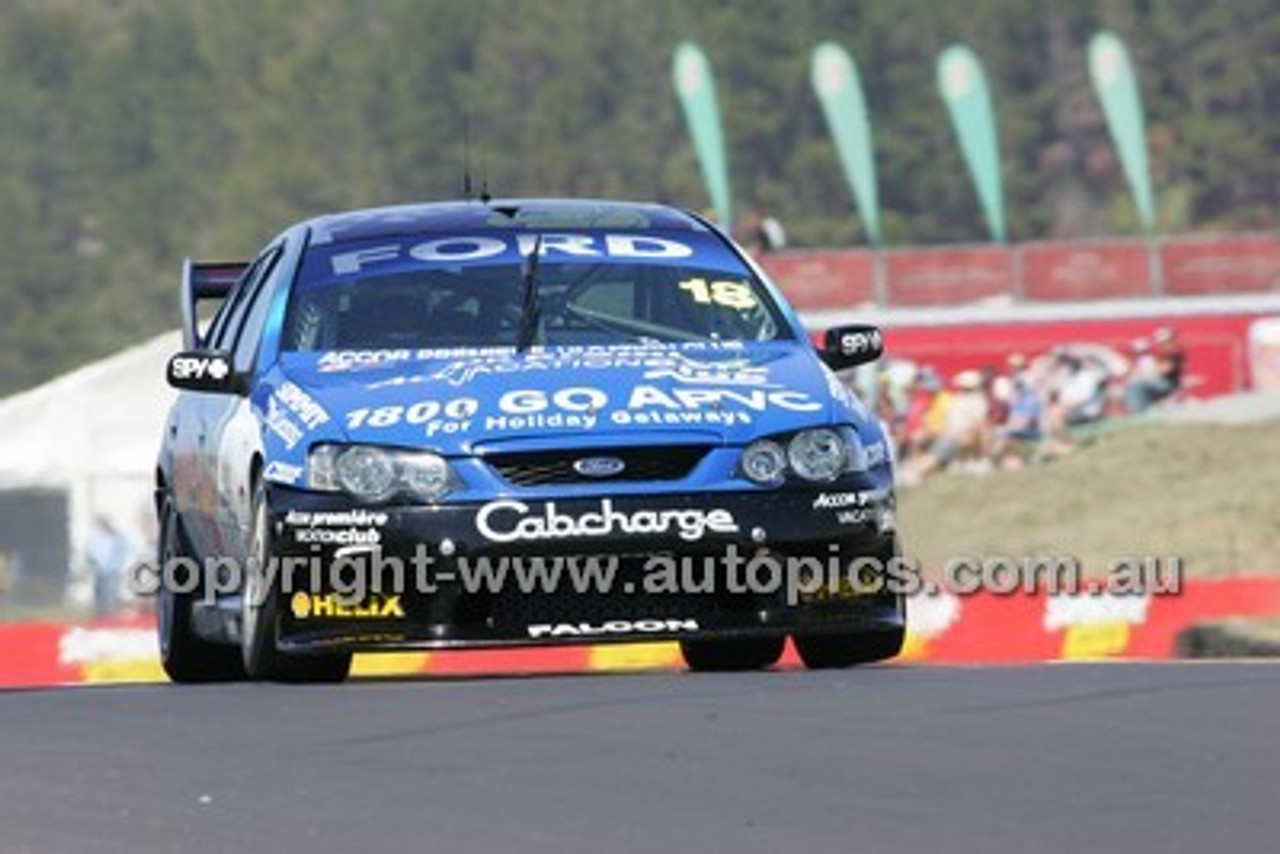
1209, 494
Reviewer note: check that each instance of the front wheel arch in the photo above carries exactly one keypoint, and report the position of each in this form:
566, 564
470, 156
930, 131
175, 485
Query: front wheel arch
260, 610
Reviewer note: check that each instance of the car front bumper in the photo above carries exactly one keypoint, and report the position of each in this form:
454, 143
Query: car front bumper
513, 572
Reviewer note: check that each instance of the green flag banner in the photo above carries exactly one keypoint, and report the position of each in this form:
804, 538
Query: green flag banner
838, 86
964, 89
696, 91
1117, 90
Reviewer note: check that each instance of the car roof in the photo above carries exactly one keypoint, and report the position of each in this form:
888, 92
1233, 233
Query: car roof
499, 214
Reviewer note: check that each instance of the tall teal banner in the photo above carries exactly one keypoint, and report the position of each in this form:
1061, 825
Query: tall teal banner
964, 89
1117, 90
696, 90
839, 89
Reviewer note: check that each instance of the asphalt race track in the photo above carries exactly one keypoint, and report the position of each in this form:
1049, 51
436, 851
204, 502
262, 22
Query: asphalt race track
1060, 758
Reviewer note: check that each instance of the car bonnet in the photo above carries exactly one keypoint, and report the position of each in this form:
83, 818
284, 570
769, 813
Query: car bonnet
462, 401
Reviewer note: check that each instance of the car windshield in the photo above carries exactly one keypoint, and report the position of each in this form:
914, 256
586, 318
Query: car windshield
585, 289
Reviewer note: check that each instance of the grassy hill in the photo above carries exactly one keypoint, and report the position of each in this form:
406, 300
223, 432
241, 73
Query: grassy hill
1209, 494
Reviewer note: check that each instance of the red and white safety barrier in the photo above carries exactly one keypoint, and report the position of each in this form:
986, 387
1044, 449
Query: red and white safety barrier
980, 628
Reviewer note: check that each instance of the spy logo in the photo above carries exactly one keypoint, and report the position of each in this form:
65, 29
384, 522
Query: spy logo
199, 367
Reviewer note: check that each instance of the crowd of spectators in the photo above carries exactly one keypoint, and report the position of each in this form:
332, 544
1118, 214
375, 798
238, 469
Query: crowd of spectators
1025, 411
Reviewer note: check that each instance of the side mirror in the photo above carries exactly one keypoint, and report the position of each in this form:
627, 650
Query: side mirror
202, 370
849, 346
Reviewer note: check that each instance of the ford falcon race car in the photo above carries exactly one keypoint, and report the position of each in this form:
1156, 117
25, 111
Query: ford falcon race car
511, 423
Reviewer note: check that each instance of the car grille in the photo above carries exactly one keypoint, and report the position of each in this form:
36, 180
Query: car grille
544, 468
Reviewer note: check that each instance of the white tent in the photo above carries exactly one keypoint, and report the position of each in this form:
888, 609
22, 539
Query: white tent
93, 432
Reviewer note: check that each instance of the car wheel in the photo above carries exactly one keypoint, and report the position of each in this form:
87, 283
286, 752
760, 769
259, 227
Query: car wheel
185, 656
260, 616
824, 652
745, 654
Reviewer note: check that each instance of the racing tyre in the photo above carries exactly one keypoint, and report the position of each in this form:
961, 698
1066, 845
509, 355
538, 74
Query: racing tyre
260, 617
825, 652
185, 656
721, 655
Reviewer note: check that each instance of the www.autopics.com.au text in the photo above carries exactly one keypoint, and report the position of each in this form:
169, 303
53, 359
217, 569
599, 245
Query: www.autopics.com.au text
796, 578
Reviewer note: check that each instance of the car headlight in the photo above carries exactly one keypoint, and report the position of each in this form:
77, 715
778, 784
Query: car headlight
366, 472
371, 473
765, 463
426, 475
819, 455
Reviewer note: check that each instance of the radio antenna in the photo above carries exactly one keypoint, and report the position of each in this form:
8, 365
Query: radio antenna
485, 196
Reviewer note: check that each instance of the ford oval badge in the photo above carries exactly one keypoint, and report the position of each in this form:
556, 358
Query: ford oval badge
599, 466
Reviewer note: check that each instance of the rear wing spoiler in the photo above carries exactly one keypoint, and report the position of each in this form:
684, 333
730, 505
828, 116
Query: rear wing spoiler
205, 281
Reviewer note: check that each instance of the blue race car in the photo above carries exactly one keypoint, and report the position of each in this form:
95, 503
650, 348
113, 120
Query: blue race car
513, 423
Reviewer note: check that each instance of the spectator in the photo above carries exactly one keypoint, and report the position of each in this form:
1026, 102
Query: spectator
6, 574
1083, 391
772, 235
1157, 375
999, 391
1020, 437
962, 436
926, 409
1003, 387
1024, 412
1144, 363
107, 550
762, 233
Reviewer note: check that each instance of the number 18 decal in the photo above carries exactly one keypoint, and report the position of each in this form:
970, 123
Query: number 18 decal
726, 293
